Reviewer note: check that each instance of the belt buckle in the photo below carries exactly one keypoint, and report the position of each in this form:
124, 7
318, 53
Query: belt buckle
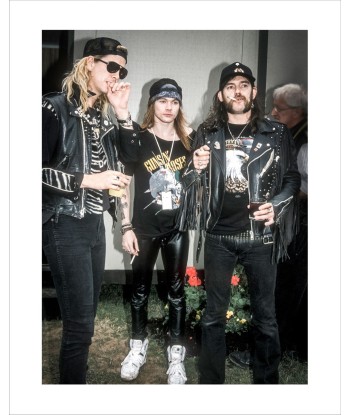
267, 239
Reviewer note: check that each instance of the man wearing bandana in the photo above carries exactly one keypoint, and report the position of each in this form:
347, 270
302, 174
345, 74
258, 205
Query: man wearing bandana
245, 167
158, 150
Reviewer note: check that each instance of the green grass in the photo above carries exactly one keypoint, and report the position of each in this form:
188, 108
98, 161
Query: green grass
110, 346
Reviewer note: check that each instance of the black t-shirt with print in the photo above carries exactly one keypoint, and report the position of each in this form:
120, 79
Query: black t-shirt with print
234, 216
157, 185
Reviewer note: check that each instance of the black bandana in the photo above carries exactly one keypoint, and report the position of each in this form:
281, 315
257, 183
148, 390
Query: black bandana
165, 88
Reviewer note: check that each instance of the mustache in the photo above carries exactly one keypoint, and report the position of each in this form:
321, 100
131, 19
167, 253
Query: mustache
229, 105
235, 98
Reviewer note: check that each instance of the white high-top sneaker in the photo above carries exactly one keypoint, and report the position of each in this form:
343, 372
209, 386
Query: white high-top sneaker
176, 372
134, 360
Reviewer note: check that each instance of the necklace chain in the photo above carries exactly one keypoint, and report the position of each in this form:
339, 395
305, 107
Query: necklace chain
160, 150
236, 140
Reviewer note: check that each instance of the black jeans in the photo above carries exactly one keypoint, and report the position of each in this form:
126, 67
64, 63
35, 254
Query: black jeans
221, 253
75, 250
174, 251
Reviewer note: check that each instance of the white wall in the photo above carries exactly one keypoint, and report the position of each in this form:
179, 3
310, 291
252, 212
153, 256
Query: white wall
194, 59
287, 60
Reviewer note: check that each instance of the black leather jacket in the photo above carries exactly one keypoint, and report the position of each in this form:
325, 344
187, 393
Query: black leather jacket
63, 173
271, 170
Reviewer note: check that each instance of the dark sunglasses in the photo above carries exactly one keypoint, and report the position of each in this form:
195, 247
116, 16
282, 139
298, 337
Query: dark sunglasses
113, 67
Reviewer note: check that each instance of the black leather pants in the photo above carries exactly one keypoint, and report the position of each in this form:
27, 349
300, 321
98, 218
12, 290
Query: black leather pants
174, 250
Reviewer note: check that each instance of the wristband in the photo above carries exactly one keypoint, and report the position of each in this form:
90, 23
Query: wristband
127, 122
126, 229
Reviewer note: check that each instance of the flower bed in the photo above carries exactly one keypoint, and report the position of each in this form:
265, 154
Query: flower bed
238, 314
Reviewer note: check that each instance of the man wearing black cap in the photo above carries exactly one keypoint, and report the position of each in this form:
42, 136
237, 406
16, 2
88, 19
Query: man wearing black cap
247, 166
80, 164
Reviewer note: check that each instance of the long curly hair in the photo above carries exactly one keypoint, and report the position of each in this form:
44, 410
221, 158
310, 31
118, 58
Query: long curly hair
78, 80
218, 117
180, 124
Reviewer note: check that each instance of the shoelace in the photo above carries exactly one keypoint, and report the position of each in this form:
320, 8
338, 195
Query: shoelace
177, 368
134, 357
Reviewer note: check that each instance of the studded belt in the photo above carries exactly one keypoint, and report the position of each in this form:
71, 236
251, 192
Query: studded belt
245, 237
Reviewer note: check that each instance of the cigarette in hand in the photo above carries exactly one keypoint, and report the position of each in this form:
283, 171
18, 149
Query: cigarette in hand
132, 259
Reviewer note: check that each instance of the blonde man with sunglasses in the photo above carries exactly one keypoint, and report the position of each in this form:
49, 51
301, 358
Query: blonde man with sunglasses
80, 165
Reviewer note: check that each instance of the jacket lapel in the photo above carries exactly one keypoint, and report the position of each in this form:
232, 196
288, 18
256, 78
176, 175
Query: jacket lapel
216, 141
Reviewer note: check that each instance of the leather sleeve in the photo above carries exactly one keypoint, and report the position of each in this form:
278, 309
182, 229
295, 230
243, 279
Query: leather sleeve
289, 176
55, 180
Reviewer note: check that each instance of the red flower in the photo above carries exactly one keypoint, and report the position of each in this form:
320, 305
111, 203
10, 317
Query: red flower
191, 271
193, 279
235, 280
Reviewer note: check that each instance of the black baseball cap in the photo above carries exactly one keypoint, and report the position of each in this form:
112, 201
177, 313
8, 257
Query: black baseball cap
104, 46
235, 69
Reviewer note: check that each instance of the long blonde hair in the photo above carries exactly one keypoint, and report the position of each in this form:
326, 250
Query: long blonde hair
79, 77
180, 124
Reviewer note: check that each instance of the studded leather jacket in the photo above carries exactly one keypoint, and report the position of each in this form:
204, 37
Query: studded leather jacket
63, 173
271, 171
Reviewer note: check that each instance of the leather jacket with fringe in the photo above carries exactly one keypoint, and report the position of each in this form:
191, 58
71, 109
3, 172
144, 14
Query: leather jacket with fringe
272, 168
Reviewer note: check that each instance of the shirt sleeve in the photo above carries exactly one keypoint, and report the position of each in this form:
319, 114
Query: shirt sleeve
129, 144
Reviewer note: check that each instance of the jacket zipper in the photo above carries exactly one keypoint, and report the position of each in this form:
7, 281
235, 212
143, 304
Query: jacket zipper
257, 158
104, 148
82, 210
62, 161
109, 167
209, 195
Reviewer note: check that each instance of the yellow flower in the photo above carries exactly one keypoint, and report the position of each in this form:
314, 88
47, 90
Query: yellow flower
229, 314
243, 321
